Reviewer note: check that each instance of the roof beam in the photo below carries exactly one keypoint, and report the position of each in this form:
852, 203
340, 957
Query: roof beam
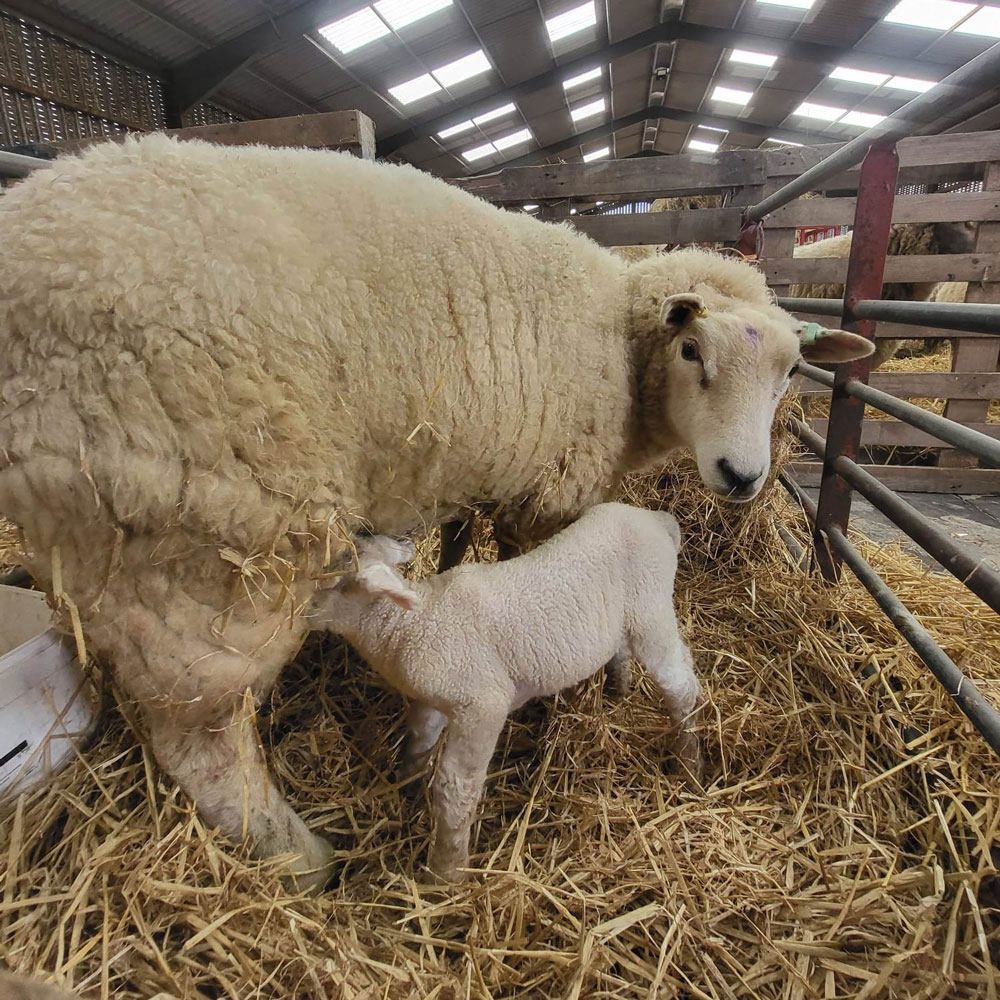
823, 57
200, 76
656, 111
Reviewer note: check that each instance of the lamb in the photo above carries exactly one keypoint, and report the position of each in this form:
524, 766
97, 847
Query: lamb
905, 239
217, 362
470, 645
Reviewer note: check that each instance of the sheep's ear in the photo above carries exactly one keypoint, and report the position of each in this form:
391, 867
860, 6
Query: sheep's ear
378, 580
817, 343
678, 310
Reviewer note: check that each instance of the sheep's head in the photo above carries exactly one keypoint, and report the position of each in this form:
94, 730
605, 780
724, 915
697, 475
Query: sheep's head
712, 380
339, 603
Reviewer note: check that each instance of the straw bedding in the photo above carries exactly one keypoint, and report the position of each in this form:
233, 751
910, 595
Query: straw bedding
840, 849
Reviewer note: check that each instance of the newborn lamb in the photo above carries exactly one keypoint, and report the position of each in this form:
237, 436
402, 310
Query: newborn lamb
470, 645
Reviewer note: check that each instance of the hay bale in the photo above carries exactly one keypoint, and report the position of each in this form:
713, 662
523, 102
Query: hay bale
838, 852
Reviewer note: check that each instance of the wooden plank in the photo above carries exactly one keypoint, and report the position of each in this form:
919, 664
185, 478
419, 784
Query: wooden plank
707, 225
916, 268
352, 131
903, 331
896, 434
974, 205
911, 478
647, 177
918, 151
922, 385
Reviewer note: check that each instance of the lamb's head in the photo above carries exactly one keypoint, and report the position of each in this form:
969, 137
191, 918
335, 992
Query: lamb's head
712, 378
339, 604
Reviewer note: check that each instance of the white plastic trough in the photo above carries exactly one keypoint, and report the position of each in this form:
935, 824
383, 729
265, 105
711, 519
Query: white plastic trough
46, 705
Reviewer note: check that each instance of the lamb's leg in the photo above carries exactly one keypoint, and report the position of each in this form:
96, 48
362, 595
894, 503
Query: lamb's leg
425, 726
455, 539
458, 784
619, 675
667, 658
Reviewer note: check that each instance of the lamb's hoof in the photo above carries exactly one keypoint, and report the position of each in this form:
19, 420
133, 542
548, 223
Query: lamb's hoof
448, 870
690, 760
312, 872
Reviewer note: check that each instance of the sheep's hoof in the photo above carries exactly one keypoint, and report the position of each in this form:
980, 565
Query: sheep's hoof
311, 872
691, 762
448, 869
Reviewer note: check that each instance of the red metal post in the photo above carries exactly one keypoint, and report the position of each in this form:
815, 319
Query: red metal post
865, 269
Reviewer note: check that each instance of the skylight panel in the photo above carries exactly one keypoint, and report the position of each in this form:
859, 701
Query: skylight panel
355, 30
488, 116
799, 4
912, 84
415, 89
462, 69
985, 22
576, 81
939, 14
596, 154
712, 128
514, 139
478, 152
705, 147
822, 112
863, 119
572, 21
530, 208
859, 76
729, 95
782, 142
752, 58
456, 129
582, 111
400, 13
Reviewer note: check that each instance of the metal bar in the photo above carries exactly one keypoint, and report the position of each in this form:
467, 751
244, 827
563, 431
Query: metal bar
18, 165
982, 580
965, 317
950, 431
960, 688
976, 75
865, 273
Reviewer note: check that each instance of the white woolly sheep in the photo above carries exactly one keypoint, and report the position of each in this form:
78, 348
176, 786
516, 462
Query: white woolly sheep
13, 987
469, 646
216, 362
905, 239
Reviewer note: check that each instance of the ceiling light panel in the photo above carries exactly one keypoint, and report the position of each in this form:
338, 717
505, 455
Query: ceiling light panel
489, 116
782, 142
576, 81
400, 13
730, 95
939, 14
752, 58
355, 30
911, 84
797, 4
456, 129
478, 152
705, 147
863, 119
514, 139
985, 22
415, 89
712, 128
571, 21
596, 154
821, 112
462, 69
859, 76
582, 111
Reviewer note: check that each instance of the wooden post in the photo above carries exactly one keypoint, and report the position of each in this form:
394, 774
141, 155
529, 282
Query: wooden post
976, 355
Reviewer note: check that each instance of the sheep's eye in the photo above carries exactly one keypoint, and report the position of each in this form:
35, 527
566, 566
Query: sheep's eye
689, 351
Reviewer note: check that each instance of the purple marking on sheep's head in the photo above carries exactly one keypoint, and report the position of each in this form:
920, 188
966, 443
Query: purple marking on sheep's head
753, 333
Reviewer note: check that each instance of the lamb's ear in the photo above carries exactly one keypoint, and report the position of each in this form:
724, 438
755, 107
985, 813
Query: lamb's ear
678, 310
379, 580
817, 343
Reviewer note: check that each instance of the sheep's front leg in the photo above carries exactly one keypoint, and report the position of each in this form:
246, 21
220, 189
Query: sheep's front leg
455, 539
425, 726
458, 784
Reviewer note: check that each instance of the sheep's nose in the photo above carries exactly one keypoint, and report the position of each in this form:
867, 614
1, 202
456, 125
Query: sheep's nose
737, 483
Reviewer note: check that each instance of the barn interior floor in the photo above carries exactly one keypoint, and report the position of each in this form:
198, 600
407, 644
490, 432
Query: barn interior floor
972, 521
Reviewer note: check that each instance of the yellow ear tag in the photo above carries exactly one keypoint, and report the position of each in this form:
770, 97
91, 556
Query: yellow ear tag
701, 313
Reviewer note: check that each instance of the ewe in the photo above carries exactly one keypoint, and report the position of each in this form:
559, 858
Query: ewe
470, 645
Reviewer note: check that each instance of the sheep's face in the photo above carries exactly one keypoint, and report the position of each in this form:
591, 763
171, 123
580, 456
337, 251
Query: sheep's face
721, 375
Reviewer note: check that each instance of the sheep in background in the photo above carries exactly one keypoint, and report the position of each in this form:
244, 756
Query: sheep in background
905, 239
469, 646
217, 362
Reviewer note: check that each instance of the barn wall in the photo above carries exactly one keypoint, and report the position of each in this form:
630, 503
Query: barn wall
53, 89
